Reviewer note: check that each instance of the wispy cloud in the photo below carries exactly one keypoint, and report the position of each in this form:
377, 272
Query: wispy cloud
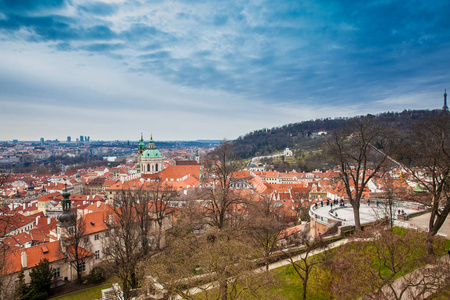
323, 55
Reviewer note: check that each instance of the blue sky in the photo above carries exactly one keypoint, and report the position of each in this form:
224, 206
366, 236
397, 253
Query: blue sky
209, 69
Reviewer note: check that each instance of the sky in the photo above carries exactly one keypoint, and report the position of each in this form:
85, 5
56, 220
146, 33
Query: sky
187, 70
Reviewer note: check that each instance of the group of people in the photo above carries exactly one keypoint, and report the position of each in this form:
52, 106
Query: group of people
333, 202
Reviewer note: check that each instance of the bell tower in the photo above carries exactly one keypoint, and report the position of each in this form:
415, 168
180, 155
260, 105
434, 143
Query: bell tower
141, 149
67, 220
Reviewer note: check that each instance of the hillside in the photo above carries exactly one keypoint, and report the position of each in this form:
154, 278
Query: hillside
303, 136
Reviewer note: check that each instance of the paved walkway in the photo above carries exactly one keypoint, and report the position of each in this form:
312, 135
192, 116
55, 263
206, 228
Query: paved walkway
285, 262
421, 223
368, 213
419, 284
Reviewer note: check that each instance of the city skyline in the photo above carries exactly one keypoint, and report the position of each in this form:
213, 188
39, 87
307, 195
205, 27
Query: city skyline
188, 70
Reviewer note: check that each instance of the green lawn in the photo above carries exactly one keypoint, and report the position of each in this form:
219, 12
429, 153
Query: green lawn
290, 285
91, 293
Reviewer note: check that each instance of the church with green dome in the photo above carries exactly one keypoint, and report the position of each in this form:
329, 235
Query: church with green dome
150, 160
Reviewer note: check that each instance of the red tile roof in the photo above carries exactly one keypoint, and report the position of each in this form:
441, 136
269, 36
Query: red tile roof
52, 251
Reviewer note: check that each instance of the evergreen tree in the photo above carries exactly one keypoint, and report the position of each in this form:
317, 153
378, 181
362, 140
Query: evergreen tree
22, 289
41, 279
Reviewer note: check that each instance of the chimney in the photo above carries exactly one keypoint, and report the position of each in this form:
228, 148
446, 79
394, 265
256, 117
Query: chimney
24, 206
23, 257
48, 220
37, 221
98, 204
111, 219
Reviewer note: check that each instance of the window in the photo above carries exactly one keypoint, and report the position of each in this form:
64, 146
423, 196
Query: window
97, 254
96, 237
56, 273
86, 240
83, 266
106, 234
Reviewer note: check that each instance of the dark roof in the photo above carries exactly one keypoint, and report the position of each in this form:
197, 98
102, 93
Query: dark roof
186, 163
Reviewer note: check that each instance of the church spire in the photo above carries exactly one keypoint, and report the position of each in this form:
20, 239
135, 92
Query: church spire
67, 217
141, 144
151, 143
445, 107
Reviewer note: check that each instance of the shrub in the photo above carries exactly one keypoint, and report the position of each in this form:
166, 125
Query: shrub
97, 275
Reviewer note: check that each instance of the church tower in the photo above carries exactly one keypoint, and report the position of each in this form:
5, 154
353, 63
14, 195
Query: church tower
445, 107
197, 157
67, 220
151, 160
141, 149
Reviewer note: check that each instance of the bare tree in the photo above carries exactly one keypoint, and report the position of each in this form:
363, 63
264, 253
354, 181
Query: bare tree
216, 264
151, 211
78, 246
430, 167
6, 220
371, 265
353, 148
264, 227
304, 263
219, 167
6, 267
123, 247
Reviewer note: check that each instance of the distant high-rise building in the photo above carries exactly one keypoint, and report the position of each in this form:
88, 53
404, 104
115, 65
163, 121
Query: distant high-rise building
42, 141
69, 139
81, 138
88, 138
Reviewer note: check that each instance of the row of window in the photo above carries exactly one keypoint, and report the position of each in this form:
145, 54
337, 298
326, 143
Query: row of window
57, 271
96, 237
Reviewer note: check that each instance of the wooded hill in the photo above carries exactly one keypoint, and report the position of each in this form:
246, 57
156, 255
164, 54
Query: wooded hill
303, 135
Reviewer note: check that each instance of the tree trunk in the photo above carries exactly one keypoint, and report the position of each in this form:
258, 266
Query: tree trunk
79, 274
158, 242
356, 216
429, 243
224, 289
305, 285
126, 289
266, 262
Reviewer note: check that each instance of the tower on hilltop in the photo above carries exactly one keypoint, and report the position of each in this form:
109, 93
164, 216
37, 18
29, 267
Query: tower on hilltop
445, 107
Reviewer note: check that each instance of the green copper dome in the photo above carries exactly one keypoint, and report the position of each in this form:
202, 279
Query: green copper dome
151, 153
